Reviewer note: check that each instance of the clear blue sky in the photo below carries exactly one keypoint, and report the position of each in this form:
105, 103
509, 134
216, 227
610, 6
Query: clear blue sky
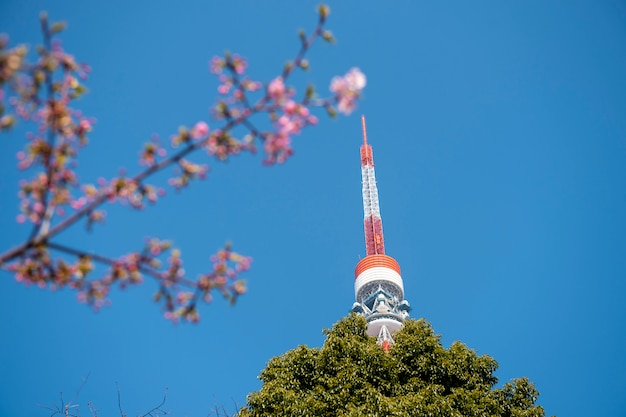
499, 134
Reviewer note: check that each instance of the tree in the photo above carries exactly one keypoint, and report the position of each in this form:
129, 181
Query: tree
249, 114
352, 376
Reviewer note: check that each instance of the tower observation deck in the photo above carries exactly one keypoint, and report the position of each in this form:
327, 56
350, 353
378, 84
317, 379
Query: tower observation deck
378, 285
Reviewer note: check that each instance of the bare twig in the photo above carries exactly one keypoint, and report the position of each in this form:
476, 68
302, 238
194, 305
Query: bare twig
119, 399
80, 388
92, 409
157, 410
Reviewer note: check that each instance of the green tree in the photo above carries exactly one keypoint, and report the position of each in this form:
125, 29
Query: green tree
352, 376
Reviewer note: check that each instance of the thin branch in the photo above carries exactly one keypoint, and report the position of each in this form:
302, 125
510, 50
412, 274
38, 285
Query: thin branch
119, 399
62, 402
80, 388
112, 262
54, 411
92, 409
158, 407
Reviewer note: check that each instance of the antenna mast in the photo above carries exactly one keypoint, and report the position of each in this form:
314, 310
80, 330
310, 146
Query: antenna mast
373, 223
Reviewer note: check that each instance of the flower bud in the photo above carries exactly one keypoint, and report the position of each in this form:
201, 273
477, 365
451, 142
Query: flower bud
327, 35
6, 121
57, 27
310, 92
324, 11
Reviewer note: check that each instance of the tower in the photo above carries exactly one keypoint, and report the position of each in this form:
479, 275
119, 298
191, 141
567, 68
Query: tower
378, 286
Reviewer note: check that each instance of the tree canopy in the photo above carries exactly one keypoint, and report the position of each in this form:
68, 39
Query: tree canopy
352, 376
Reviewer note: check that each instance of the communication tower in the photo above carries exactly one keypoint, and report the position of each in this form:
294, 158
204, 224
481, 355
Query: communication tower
378, 286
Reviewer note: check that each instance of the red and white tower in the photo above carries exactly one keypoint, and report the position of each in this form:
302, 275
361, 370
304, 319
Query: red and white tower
378, 286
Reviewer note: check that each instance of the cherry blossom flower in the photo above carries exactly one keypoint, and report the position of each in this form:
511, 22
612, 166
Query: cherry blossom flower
200, 130
276, 89
348, 89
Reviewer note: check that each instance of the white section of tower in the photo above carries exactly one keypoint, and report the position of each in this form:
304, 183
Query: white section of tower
384, 335
374, 326
382, 275
370, 192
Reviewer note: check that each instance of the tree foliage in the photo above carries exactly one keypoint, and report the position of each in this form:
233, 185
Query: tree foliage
352, 376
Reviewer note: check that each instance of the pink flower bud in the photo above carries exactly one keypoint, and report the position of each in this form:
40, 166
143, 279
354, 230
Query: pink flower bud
85, 125
199, 130
290, 107
276, 88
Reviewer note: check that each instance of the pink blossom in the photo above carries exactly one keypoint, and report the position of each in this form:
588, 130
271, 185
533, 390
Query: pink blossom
78, 203
199, 130
251, 85
38, 207
239, 64
356, 79
85, 125
290, 107
348, 89
288, 126
216, 65
276, 89
303, 111
277, 147
239, 287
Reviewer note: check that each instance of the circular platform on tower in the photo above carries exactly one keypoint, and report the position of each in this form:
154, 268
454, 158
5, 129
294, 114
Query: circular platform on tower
374, 326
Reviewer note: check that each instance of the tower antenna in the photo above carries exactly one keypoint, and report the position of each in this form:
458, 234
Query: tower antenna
372, 222
364, 129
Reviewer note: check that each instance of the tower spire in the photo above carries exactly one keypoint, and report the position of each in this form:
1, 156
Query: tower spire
364, 129
372, 222
378, 285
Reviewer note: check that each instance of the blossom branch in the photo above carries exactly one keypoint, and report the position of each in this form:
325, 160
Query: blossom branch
47, 157
48, 197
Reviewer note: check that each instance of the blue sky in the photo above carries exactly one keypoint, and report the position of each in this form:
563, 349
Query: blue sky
499, 135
